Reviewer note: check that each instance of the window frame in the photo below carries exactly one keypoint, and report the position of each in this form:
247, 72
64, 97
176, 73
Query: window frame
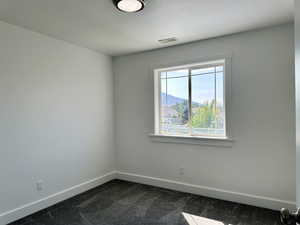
226, 62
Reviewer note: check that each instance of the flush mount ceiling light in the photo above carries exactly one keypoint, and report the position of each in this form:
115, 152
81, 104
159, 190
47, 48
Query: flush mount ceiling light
129, 5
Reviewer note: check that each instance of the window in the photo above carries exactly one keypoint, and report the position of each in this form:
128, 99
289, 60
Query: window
190, 100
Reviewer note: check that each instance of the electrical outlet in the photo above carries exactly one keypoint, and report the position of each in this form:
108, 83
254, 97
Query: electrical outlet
39, 185
181, 171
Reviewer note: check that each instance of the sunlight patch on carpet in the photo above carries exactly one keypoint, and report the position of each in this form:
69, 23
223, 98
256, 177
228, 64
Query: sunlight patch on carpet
198, 220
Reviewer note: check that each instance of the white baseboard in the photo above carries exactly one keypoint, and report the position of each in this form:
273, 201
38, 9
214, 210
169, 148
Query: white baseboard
33, 207
260, 201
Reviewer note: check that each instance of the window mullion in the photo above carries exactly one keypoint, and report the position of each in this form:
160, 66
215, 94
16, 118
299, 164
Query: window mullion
190, 102
215, 99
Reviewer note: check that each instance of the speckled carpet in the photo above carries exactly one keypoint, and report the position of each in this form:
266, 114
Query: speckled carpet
125, 203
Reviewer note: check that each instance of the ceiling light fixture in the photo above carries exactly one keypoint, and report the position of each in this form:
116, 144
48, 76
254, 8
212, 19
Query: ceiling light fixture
129, 5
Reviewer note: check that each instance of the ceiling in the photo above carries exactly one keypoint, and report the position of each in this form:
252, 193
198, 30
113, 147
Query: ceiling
98, 25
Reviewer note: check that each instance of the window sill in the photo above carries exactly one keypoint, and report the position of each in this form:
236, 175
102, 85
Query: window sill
206, 141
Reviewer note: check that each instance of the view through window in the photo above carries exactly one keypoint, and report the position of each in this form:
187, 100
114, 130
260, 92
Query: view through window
192, 100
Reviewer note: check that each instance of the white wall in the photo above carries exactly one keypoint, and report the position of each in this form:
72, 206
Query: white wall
261, 163
57, 122
297, 93
56, 116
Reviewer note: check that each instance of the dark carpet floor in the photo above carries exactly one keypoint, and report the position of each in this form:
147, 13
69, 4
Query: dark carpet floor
125, 203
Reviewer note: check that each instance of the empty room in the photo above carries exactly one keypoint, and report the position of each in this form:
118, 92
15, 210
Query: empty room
149, 112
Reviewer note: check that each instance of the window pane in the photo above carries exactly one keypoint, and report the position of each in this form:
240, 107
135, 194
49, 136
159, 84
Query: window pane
208, 105
220, 107
203, 95
207, 101
177, 73
163, 91
203, 71
220, 68
163, 75
174, 106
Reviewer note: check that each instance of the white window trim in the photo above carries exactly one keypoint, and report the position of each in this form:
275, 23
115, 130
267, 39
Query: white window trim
187, 139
